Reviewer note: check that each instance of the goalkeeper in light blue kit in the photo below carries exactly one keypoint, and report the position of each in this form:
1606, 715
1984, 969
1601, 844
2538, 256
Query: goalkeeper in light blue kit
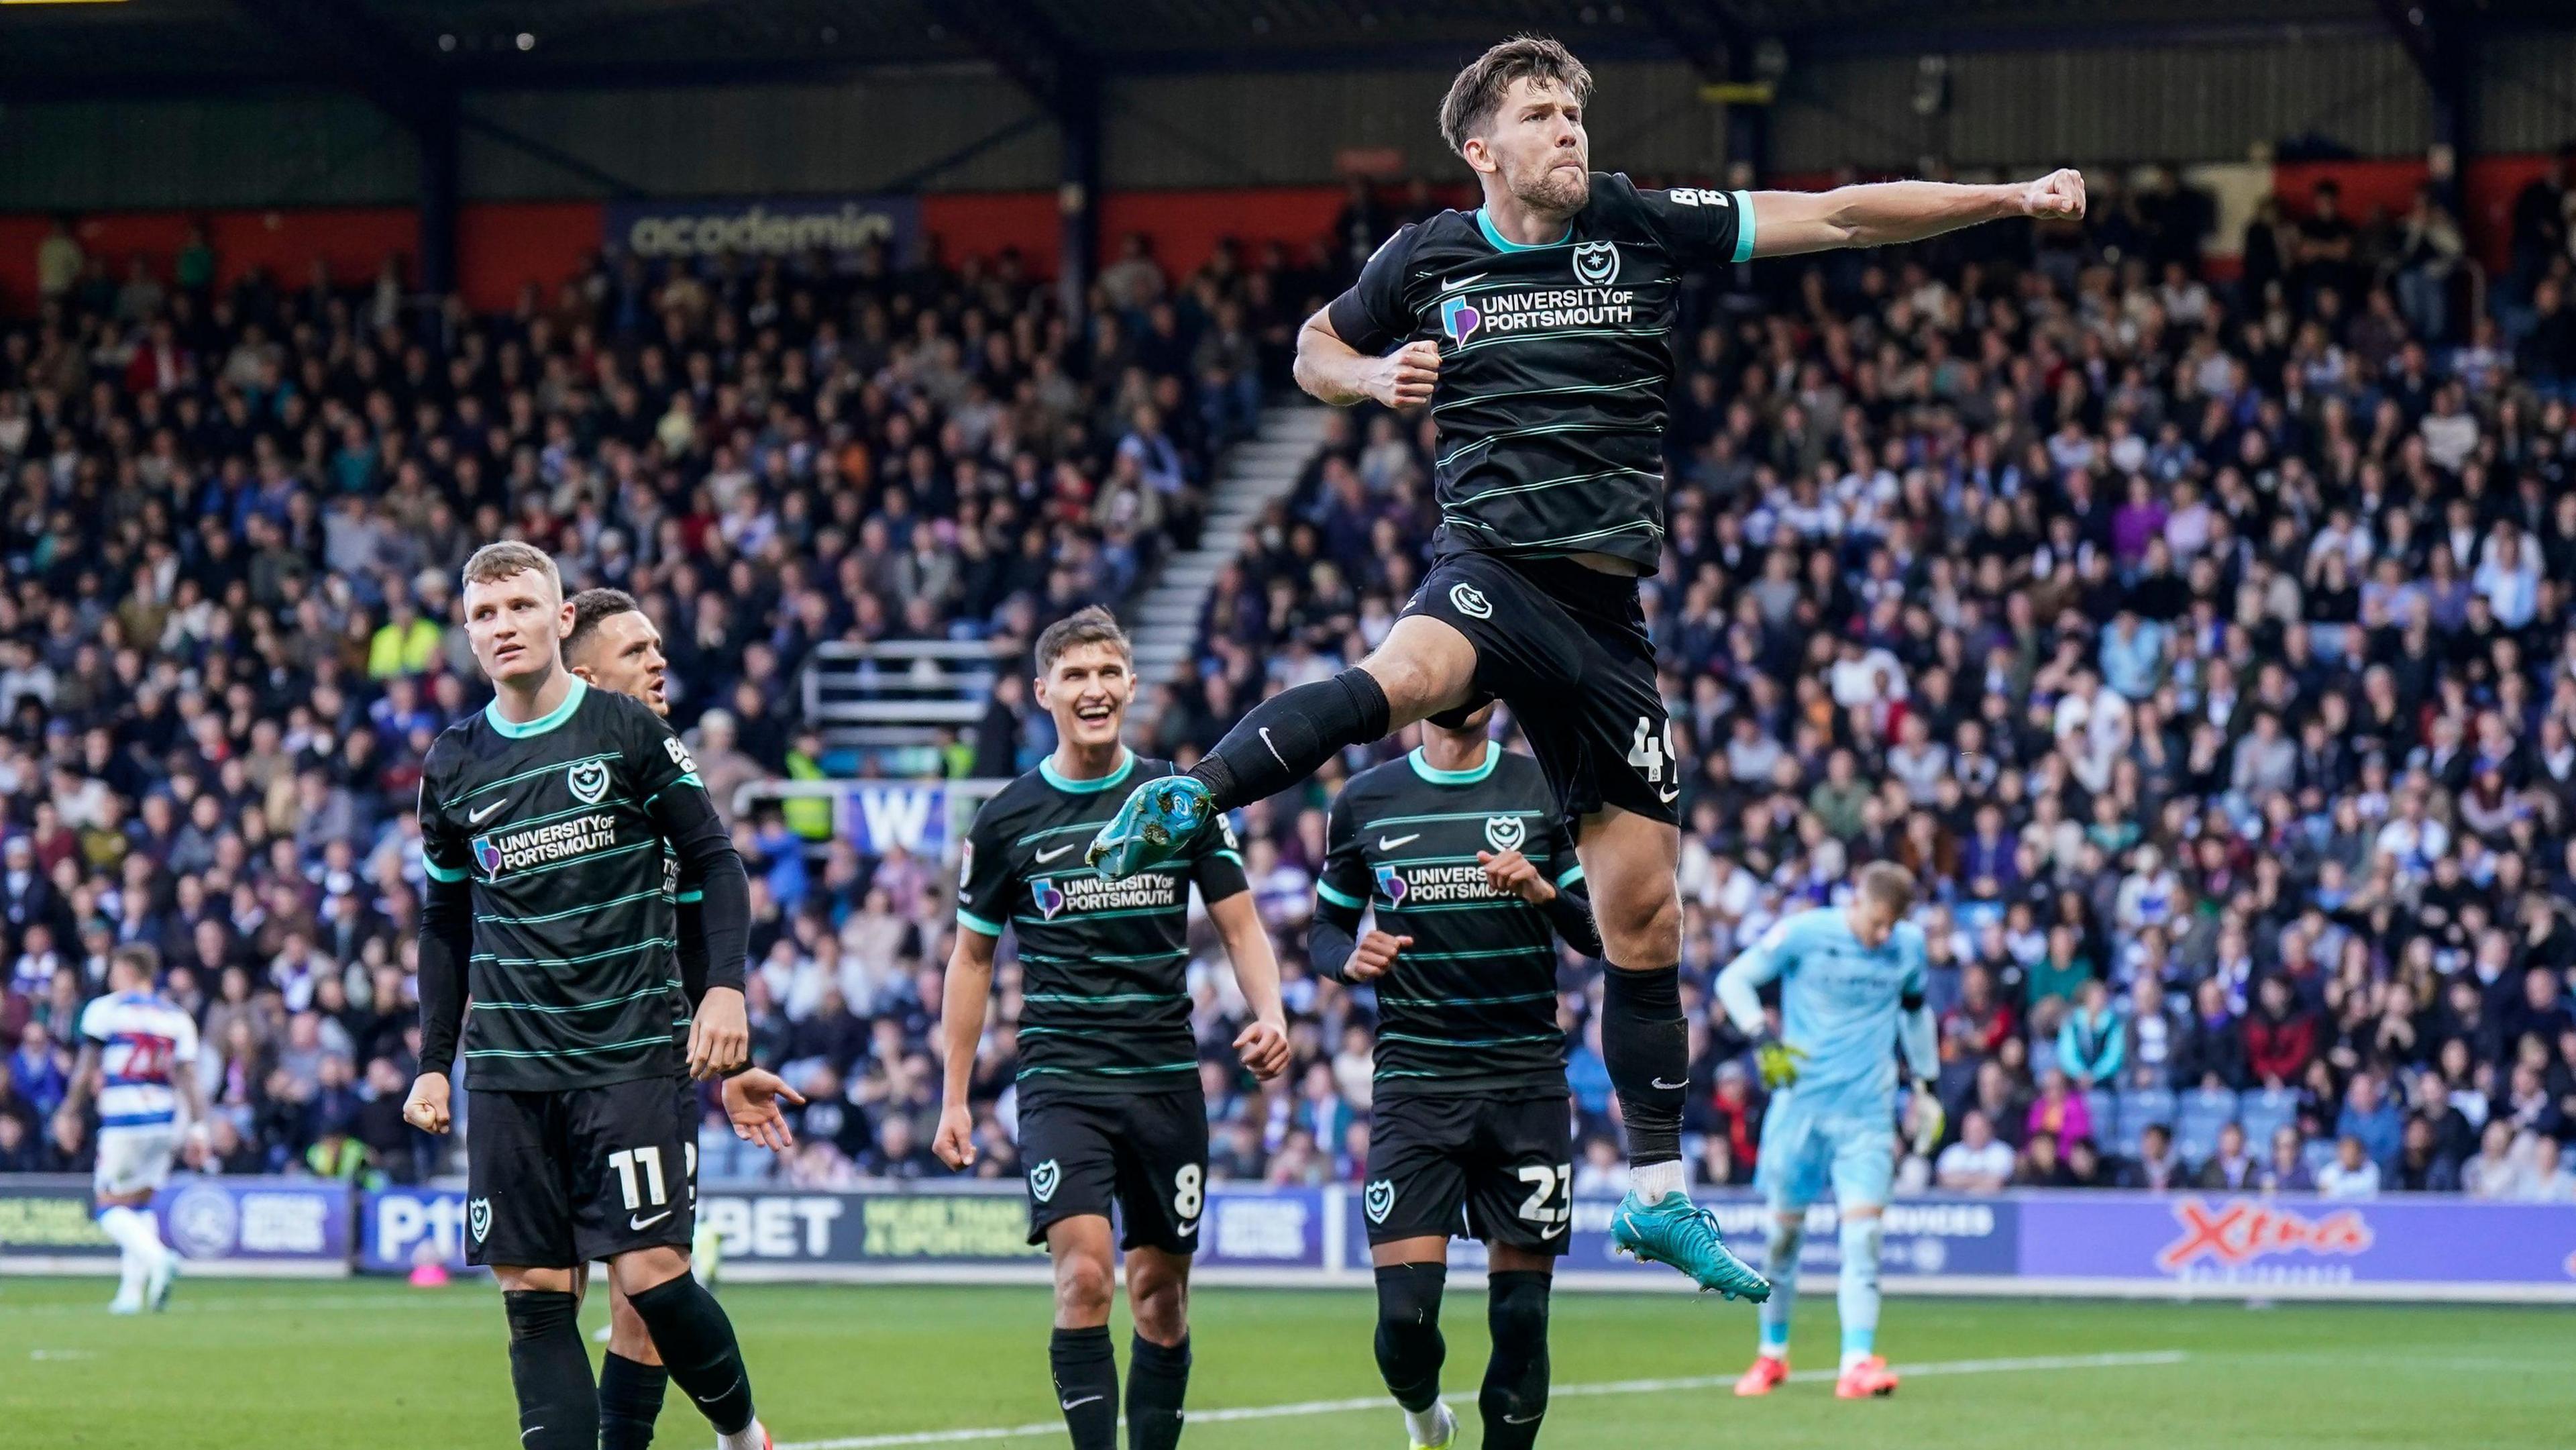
1851, 988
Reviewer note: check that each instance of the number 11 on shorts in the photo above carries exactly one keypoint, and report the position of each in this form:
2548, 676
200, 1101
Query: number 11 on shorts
625, 1165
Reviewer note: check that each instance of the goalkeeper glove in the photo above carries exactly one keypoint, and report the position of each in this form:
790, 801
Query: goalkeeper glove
1778, 1062
1930, 1121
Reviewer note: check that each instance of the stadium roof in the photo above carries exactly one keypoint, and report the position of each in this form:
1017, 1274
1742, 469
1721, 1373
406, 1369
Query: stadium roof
173, 46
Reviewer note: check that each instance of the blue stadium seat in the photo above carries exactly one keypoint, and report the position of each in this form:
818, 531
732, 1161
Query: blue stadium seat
2264, 1112
2105, 1108
2317, 1153
718, 1154
2200, 1114
2140, 1107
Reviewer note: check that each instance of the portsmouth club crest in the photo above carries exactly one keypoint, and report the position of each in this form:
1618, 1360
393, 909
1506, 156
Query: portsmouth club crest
1049, 897
1596, 264
1391, 885
588, 780
1378, 1200
1459, 319
1506, 833
487, 856
1043, 1180
478, 1218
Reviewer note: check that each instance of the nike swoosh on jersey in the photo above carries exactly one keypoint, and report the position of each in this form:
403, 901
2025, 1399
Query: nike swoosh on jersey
1470, 280
475, 818
1669, 796
634, 1223
1386, 844
1078, 1404
1274, 746
1044, 857
1671, 1087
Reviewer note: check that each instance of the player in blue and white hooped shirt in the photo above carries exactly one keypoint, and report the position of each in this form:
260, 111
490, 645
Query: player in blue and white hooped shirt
139, 1054
1851, 990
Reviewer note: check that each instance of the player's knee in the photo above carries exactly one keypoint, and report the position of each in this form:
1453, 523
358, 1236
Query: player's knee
1516, 1313
627, 1336
1083, 1286
1780, 1250
1409, 1347
1642, 929
537, 1313
1160, 1302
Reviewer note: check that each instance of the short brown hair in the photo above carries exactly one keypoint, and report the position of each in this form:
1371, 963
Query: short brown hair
142, 956
593, 607
1478, 91
1888, 884
501, 560
1091, 625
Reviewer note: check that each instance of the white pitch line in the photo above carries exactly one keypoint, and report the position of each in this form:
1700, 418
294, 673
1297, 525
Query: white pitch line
1583, 1391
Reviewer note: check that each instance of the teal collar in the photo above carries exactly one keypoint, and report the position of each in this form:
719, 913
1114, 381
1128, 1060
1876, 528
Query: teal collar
1503, 243
517, 731
1469, 776
1048, 773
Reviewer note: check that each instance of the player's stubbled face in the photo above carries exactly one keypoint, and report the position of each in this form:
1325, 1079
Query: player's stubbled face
514, 624
625, 655
1538, 142
1087, 692
1872, 923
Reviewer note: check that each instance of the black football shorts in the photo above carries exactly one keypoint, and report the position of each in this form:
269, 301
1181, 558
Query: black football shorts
558, 1179
1566, 648
1500, 1169
1145, 1153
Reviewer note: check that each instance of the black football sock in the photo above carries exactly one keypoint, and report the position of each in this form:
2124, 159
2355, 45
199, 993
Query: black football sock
550, 1370
1646, 1045
1158, 1380
1514, 1399
1409, 1347
1286, 737
1086, 1386
695, 1339
630, 1401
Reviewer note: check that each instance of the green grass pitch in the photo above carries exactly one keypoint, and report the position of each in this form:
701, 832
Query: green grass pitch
381, 1365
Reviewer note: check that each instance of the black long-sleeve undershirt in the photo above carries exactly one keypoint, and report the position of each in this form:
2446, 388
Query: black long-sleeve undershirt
1333, 935
446, 941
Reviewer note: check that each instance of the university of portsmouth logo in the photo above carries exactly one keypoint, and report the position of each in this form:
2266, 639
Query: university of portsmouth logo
1459, 318
1043, 1180
588, 781
1391, 885
2242, 1230
1049, 897
487, 856
1596, 264
1378, 1200
1505, 833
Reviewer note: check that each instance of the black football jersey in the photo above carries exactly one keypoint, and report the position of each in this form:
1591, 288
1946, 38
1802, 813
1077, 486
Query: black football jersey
1471, 1005
1104, 964
574, 979
1554, 362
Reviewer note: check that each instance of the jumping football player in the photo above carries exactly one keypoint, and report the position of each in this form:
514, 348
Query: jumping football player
139, 1051
1539, 329
614, 646
1111, 1111
1851, 989
1459, 851
545, 820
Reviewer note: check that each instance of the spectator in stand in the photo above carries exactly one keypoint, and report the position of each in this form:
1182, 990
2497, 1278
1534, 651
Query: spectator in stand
2230, 1169
2286, 1170
2352, 1174
1978, 1162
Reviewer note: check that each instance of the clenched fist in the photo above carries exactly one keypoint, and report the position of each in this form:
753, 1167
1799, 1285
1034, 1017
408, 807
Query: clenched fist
426, 1108
2058, 196
1377, 952
1404, 377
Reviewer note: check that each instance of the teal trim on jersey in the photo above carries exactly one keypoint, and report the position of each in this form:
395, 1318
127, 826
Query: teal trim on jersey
1572, 875
1444, 816
1048, 773
1339, 898
1503, 243
1475, 398
1507, 337
1545, 483
1028, 956
1743, 226
453, 801
1231, 856
1387, 1001
1490, 903
690, 896
438, 872
1092, 826
1108, 915
1078, 997
1482, 954
969, 919
569, 911
481, 1006
1190, 1066
1469, 776
1521, 1040
646, 945
543, 723
1463, 449
654, 1040
689, 779
1585, 537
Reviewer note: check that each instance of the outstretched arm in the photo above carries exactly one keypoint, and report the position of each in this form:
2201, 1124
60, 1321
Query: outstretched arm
1786, 223
1263, 1044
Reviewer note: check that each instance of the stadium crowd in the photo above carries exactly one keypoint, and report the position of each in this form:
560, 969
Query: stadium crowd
2202, 645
